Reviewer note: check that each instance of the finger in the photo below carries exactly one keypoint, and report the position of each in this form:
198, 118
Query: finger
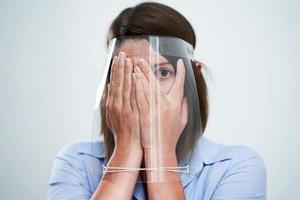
177, 89
109, 94
140, 97
119, 79
134, 107
114, 66
108, 104
153, 84
184, 113
113, 74
146, 69
132, 94
127, 81
108, 90
146, 86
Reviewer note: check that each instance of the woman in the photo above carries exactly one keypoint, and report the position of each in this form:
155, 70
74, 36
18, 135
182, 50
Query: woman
216, 171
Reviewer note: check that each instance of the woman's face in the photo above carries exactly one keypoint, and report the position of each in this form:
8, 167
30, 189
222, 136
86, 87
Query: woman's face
161, 67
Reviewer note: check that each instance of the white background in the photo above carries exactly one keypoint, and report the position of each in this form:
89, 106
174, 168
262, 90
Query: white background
52, 55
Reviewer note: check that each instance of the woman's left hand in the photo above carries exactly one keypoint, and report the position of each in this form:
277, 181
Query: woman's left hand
162, 120
168, 111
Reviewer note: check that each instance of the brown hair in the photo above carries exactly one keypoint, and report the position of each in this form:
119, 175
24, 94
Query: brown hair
151, 18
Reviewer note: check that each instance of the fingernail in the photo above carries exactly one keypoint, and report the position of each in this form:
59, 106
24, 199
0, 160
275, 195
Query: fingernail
121, 53
134, 76
127, 61
115, 58
141, 60
180, 61
137, 71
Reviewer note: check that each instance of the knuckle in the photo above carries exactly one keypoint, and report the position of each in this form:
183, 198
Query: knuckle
141, 105
135, 116
168, 108
126, 86
145, 121
112, 84
125, 93
117, 107
165, 110
144, 108
177, 109
127, 112
108, 105
117, 82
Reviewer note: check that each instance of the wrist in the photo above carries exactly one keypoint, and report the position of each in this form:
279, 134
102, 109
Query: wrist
130, 156
127, 145
128, 149
161, 158
125, 158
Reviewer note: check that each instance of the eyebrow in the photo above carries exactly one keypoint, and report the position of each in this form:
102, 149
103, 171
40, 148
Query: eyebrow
162, 63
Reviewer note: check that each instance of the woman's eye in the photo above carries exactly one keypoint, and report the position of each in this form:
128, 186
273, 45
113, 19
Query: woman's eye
163, 73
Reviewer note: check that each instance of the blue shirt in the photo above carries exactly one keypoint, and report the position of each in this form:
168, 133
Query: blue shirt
217, 172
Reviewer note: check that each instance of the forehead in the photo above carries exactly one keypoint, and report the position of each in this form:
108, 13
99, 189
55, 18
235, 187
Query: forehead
140, 48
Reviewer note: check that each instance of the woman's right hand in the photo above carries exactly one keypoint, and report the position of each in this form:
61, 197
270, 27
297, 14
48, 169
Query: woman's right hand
121, 108
123, 120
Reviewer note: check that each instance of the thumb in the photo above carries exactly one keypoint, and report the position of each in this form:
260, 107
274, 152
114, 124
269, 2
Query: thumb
177, 90
184, 113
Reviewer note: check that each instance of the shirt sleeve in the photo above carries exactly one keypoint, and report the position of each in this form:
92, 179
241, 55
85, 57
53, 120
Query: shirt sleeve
68, 180
245, 179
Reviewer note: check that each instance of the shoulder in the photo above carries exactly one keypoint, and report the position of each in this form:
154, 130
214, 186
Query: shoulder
243, 156
80, 158
240, 153
80, 155
82, 148
240, 160
76, 169
234, 166
246, 162
214, 152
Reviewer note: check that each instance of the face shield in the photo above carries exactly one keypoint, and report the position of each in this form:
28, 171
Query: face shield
152, 79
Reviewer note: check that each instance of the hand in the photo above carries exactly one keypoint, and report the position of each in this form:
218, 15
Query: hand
167, 121
121, 108
123, 120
